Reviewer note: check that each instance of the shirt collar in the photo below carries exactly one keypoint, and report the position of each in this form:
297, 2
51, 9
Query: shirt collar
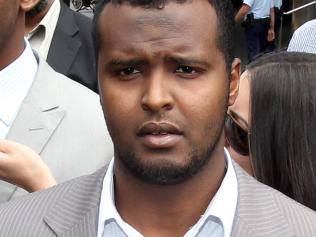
107, 200
222, 206
16, 79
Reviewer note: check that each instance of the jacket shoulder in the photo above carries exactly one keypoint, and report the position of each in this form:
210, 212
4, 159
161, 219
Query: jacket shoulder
264, 211
301, 218
26, 216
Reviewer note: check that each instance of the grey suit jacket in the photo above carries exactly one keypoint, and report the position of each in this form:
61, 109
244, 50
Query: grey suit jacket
71, 51
71, 210
63, 122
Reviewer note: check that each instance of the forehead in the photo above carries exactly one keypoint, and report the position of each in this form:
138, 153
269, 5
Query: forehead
181, 26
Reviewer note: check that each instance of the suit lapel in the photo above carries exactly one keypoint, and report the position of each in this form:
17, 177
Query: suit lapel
76, 213
38, 117
34, 126
257, 210
64, 45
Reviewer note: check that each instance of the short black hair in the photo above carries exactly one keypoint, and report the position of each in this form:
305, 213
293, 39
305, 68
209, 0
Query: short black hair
283, 123
223, 9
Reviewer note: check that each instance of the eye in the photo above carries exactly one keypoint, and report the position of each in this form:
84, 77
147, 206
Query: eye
188, 72
128, 71
186, 69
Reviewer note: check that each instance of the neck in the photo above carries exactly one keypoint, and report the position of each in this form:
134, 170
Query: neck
168, 210
33, 21
13, 46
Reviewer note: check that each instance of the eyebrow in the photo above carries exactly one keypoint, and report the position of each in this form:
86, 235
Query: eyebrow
124, 63
136, 62
189, 61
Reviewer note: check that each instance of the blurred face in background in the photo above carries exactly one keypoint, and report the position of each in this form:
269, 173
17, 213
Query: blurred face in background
237, 126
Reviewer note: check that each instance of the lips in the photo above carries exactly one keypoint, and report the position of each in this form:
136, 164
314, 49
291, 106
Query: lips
159, 135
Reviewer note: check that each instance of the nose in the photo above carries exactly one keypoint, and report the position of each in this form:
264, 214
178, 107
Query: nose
157, 95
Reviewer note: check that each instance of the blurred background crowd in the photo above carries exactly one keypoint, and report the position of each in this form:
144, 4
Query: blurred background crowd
290, 14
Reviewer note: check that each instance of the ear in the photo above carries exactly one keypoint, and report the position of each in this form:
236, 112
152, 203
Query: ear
234, 81
27, 5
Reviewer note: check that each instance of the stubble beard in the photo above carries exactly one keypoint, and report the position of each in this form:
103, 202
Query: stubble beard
166, 172
169, 173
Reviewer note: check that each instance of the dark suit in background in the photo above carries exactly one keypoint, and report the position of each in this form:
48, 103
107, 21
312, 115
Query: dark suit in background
71, 51
67, 2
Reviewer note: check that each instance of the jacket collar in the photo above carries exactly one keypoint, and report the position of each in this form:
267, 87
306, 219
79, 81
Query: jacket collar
257, 209
66, 21
40, 113
66, 41
76, 212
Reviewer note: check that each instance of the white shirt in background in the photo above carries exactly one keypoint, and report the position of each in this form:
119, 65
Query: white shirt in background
41, 36
221, 209
260, 8
15, 82
304, 38
278, 4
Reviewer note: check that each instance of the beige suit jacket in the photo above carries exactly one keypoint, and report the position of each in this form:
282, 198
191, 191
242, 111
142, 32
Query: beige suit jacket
63, 122
71, 210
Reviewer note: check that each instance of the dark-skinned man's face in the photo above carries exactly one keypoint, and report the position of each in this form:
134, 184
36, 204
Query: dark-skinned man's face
164, 87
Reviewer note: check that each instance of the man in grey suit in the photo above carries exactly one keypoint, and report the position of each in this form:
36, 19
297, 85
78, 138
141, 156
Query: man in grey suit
166, 75
55, 116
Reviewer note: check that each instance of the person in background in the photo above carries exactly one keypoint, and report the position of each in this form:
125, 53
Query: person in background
277, 109
258, 18
56, 117
304, 38
274, 44
166, 79
63, 37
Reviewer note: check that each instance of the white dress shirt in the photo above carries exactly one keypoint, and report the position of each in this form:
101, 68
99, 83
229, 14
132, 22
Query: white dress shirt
41, 36
304, 38
220, 210
15, 82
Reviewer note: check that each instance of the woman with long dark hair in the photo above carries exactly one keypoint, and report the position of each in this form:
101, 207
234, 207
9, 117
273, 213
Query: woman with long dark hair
281, 124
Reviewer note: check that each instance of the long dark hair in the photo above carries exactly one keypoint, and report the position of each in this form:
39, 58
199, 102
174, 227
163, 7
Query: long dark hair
283, 123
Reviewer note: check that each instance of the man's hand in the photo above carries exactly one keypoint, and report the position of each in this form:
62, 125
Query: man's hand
271, 35
21, 166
